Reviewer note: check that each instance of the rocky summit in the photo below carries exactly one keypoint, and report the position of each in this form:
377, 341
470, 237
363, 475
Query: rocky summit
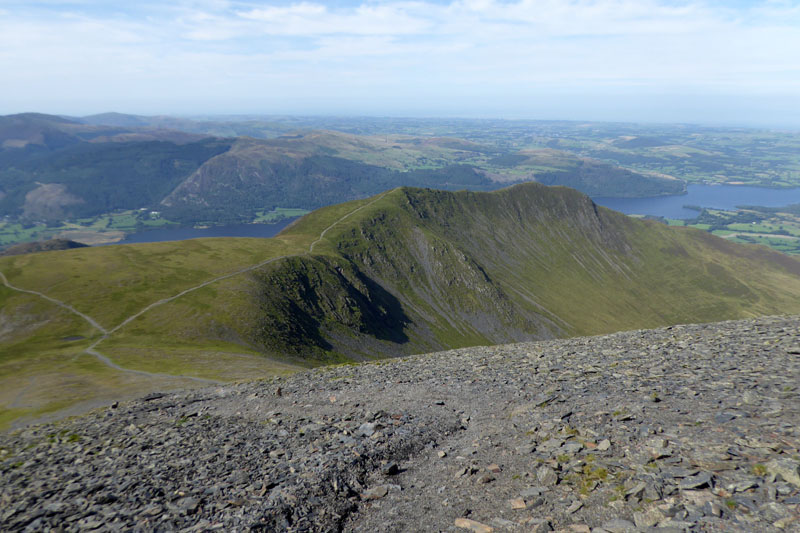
686, 428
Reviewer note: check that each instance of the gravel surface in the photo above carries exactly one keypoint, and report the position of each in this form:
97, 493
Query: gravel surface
689, 428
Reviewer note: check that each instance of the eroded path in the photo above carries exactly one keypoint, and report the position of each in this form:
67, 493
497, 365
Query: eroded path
59, 303
105, 335
242, 270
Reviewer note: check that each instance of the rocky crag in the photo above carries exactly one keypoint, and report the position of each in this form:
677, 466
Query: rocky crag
687, 428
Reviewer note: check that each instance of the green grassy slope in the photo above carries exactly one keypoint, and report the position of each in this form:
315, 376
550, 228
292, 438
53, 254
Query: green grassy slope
409, 271
43, 366
532, 262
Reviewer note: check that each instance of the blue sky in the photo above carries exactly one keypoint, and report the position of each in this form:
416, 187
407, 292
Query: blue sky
731, 62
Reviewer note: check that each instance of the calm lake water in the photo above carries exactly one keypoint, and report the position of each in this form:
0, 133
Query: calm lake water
233, 230
713, 196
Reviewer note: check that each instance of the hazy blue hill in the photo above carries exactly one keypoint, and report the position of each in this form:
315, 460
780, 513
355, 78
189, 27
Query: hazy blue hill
220, 127
48, 131
115, 119
55, 169
98, 178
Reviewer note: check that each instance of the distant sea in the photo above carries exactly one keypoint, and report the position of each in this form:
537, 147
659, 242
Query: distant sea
711, 196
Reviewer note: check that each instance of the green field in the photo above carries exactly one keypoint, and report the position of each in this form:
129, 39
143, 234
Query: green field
93, 230
779, 229
279, 213
111, 227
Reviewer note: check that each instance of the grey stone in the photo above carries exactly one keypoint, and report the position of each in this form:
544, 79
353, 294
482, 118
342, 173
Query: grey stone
619, 525
539, 525
391, 469
366, 429
532, 492
648, 518
546, 476
703, 479
252, 460
375, 493
788, 469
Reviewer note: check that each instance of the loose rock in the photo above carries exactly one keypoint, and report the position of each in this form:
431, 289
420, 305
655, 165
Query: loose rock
572, 423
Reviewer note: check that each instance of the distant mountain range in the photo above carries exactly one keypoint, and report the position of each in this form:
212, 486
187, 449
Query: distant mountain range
54, 168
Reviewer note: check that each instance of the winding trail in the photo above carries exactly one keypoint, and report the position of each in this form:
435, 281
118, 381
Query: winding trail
322, 235
66, 306
108, 362
242, 270
191, 289
106, 333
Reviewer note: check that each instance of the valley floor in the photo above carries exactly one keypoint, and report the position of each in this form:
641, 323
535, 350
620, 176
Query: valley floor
687, 428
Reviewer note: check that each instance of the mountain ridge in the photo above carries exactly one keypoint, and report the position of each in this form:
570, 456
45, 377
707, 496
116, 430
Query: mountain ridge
526, 249
408, 271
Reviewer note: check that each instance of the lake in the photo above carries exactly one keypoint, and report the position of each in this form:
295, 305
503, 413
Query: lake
232, 230
713, 196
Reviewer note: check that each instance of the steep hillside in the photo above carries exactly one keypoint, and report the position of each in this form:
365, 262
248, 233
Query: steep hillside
408, 271
311, 171
523, 263
318, 168
86, 179
54, 169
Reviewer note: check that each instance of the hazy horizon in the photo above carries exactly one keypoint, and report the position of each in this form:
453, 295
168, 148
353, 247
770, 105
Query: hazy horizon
648, 61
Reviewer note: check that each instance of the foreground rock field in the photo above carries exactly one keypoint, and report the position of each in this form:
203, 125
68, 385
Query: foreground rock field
689, 428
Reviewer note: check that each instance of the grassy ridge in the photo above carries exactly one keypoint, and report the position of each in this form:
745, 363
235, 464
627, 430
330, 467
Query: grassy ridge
535, 262
201, 334
113, 282
409, 271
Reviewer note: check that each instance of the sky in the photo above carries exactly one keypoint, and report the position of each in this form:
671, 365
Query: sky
711, 62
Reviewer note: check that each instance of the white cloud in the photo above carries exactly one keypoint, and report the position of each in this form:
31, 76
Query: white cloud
108, 53
307, 19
